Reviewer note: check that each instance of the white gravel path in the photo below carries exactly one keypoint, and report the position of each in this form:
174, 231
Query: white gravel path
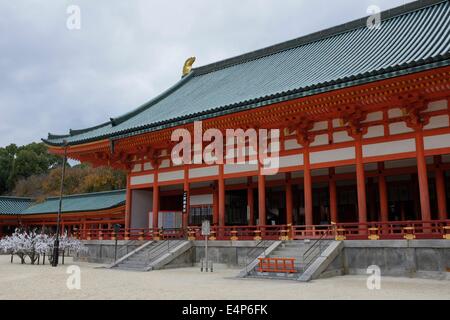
44, 282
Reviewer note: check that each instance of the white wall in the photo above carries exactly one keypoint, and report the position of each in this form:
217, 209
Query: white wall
141, 205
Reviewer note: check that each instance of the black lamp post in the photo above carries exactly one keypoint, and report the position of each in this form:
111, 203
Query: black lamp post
58, 221
116, 232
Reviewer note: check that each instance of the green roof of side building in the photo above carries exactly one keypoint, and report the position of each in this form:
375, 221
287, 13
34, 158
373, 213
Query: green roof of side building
412, 38
74, 203
14, 205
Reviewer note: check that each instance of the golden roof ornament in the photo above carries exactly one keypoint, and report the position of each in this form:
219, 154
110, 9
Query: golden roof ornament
188, 66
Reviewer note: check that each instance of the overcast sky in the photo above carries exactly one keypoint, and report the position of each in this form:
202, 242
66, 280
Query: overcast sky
126, 52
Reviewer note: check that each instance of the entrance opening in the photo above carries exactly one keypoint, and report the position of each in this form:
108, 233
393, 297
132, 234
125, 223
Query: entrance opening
236, 207
404, 197
347, 201
276, 206
170, 207
321, 203
201, 203
141, 206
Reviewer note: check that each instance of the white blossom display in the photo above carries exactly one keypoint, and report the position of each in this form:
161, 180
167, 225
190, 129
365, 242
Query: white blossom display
32, 244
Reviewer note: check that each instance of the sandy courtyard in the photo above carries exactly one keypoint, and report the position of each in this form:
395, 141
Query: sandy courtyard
45, 282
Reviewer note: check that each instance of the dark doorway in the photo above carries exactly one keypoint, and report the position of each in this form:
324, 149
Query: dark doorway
276, 206
171, 203
347, 201
321, 204
403, 198
236, 207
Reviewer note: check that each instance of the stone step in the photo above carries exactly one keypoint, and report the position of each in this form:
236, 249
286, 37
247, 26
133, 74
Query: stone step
296, 245
291, 250
130, 268
128, 262
273, 276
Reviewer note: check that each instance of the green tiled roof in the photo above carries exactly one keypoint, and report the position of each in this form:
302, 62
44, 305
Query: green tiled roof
74, 203
80, 203
412, 38
14, 205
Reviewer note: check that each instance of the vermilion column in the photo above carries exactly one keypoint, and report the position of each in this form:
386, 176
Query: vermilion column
250, 201
382, 191
423, 177
307, 186
221, 183
289, 211
155, 208
84, 229
440, 189
261, 199
215, 205
360, 181
333, 197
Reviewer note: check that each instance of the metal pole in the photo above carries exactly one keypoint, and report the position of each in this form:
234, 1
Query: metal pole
115, 250
56, 243
206, 252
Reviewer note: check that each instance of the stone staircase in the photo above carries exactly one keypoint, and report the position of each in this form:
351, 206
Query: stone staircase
152, 255
292, 249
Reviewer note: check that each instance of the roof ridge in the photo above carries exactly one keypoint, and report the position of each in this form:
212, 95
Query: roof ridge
312, 37
88, 194
74, 132
149, 104
17, 198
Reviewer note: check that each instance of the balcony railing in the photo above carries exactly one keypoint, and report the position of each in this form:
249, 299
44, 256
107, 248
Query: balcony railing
436, 229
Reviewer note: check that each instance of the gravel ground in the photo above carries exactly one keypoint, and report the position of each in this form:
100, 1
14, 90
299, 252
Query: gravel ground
44, 282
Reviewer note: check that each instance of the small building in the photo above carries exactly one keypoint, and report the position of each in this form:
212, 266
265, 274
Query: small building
80, 213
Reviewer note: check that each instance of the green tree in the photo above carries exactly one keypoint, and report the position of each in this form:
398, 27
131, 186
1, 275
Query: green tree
18, 163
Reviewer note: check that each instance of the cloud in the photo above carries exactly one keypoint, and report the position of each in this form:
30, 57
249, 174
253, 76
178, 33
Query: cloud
127, 52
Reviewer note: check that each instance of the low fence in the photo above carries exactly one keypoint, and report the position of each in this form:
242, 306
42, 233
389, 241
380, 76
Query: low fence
436, 229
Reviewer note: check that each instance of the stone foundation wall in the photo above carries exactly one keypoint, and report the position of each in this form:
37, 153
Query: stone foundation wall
405, 258
102, 251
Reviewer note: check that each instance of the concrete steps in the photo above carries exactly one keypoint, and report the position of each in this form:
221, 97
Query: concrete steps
152, 255
296, 250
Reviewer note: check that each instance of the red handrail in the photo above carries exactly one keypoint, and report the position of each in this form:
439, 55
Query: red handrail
435, 229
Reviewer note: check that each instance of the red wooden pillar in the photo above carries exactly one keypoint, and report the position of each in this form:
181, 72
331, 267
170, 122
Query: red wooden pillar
186, 189
261, 199
333, 197
127, 204
307, 185
84, 229
215, 204
221, 197
360, 181
289, 211
423, 177
250, 201
382, 191
155, 208
440, 189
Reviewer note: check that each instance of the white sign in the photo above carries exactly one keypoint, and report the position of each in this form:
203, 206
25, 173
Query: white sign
206, 228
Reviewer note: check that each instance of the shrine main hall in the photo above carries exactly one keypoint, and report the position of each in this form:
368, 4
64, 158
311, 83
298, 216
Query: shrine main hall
363, 147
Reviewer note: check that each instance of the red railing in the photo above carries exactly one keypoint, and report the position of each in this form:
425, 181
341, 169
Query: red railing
282, 265
436, 229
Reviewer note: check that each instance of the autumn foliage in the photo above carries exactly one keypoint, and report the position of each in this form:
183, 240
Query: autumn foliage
29, 171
